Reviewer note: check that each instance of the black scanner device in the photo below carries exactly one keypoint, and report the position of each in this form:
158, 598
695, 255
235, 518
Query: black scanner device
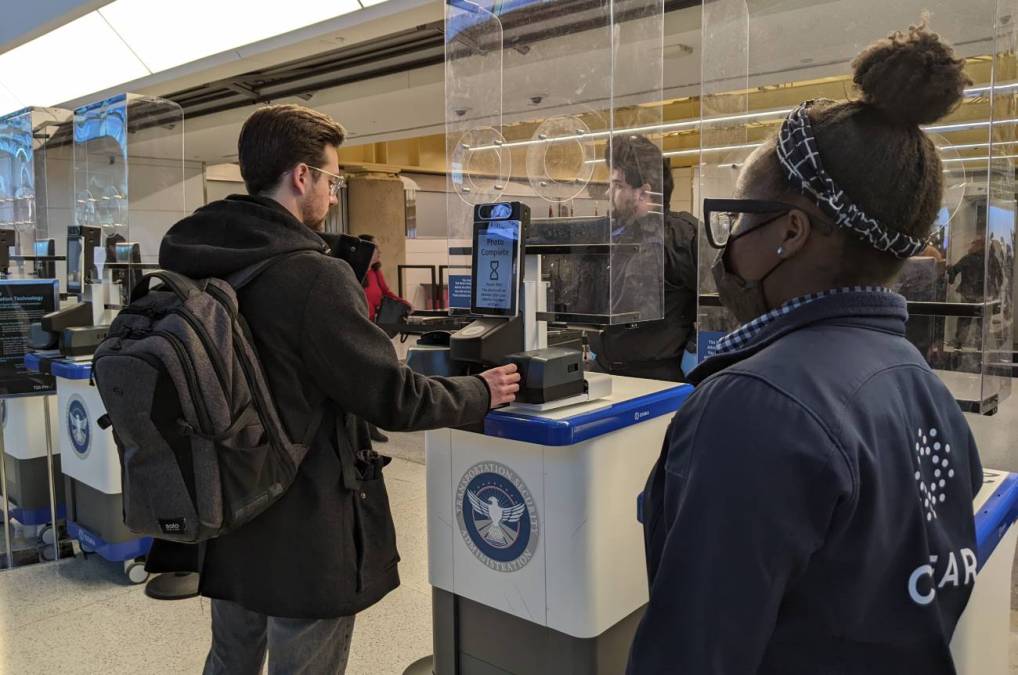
486, 341
70, 329
548, 375
46, 333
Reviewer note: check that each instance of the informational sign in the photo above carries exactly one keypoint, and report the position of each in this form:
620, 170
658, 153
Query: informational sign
22, 303
707, 343
459, 291
495, 274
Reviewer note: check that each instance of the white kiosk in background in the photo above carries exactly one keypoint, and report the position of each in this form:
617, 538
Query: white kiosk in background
29, 465
91, 467
35, 193
128, 178
25, 421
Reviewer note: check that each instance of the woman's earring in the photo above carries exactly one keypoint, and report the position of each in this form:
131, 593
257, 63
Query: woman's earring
781, 251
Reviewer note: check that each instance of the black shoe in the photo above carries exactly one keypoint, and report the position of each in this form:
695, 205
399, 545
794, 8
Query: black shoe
378, 437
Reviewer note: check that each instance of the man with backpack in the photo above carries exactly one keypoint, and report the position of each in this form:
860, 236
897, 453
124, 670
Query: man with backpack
291, 580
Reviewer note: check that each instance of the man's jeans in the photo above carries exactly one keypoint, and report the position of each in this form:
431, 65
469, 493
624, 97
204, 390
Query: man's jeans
240, 639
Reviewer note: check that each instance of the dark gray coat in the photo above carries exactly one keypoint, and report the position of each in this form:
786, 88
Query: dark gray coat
653, 349
322, 550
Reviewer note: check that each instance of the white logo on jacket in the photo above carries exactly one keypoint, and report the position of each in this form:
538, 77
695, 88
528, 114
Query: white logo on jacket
934, 473
926, 580
933, 470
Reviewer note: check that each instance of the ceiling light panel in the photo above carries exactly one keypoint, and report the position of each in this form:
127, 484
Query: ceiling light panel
77, 59
168, 34
8, 101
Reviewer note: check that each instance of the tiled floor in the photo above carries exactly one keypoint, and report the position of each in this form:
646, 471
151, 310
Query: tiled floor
83, 616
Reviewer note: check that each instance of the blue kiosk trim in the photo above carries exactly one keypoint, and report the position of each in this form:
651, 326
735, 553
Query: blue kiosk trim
996, 517
40, 516
32, 362
59, 366
583, 427
114, 552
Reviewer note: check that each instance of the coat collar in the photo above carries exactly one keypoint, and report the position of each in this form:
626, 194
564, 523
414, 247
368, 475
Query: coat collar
881, 311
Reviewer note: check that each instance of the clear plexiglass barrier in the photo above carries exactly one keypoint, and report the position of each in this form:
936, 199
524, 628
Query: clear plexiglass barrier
129, 169
961, 289
558, 105
35, 188
128, 187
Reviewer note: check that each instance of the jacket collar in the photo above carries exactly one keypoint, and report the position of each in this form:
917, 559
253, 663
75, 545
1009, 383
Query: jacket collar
886, 312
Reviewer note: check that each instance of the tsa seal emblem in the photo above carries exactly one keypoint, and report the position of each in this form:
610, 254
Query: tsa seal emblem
497, 516
78, 426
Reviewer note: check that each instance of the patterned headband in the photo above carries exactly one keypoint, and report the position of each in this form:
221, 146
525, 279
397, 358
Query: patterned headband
800, 158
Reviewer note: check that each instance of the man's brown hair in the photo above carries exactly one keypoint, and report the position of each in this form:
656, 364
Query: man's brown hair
276, 138
639, 160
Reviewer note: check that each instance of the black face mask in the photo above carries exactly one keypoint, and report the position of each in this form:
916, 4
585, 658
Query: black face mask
744, 299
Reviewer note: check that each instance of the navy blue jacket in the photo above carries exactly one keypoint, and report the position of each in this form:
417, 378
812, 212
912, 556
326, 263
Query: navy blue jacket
811, 511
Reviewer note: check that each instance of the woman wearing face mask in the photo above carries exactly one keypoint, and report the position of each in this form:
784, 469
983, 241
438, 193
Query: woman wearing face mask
811, 511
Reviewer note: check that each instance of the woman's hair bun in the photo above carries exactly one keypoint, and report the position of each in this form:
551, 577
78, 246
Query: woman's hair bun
912, 76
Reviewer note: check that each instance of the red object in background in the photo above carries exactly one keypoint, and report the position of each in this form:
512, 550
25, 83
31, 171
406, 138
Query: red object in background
376, 289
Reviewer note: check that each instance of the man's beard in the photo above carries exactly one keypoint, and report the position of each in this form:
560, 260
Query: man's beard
311, 219
624, 212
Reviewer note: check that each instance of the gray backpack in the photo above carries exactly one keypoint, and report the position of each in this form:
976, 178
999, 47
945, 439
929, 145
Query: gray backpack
202, 447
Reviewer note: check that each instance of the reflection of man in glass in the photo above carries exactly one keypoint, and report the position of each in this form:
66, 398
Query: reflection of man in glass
664, 246
974, 274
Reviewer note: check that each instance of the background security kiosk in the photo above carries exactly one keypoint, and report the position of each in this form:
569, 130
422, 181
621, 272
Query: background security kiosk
29, 462
91, 467
27, 429
124, 160
34, 195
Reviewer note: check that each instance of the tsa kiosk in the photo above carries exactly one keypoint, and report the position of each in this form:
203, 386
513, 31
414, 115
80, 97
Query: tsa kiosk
35, 169
534, 551
535, 556
128, 190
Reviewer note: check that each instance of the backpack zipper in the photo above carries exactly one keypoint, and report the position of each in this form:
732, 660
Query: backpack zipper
261, 405
206, 339
192, 380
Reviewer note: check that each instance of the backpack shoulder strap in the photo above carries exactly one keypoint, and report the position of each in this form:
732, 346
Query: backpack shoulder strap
243, 277
183, 286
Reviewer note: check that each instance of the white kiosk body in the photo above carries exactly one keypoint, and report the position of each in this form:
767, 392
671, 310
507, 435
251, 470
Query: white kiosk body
534, 549
24, 422
982, 638
91, 465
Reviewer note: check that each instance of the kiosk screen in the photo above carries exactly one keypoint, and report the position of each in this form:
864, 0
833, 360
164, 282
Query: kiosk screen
496, 253
74, 265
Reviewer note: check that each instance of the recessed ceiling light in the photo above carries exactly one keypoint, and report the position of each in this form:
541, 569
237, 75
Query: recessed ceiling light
165, 35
